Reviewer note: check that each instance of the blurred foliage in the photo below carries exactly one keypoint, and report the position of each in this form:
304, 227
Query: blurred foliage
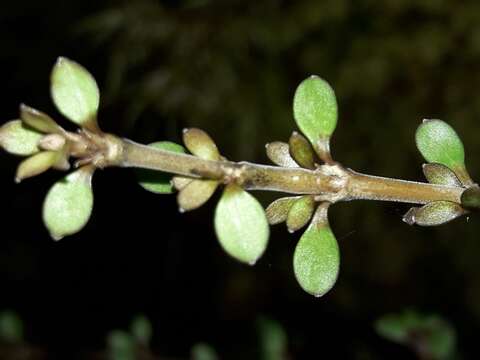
273, 340
430, 336
11, 327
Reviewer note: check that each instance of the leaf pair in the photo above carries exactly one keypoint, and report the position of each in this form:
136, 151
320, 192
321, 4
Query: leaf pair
298, 152
295, 211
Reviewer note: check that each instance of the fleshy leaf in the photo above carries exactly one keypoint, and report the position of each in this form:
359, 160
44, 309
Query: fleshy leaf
199, 143
470, 198
141, 330
440, 174
301, 151
279, 153
75, 93
434, 213
195, 194
278, 210
36, 164
156, 181
69, 203
439, 143
121, 346
38, 120
300, 213
241, 225
18, 139
315, 112
316, 259
179, 182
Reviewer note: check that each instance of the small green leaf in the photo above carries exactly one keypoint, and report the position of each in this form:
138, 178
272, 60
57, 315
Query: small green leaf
18, 139
202, 351
278, 210
470, 198
121, 346
440, 174
315, 109
75, 93
300, 213
273, 340
141, 330
195, 194
38, 120
199, 143
316, 259
69, 203
439, 143
279, 153
11, 327
301, 151
36, 164
434, 213
156, 181
241, 225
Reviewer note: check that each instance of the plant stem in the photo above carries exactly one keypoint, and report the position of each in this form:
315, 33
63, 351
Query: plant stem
328, 182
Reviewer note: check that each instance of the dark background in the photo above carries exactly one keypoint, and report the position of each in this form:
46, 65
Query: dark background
231, 68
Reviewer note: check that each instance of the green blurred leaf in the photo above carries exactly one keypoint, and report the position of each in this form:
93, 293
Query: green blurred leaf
18, 139
278, 210
300, 213
121, 346
279, 153
440, 174
273, 340
195, 194
470, 198
36, 164
141, 330
439, 143
38, 120
316, 259
69, 203
75, 93
301, 151
199, 143
315, 109
434, 213
241, 225
202, 351
156, 181
11, 327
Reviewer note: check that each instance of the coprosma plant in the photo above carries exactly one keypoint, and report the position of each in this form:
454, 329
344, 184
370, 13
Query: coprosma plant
305, 169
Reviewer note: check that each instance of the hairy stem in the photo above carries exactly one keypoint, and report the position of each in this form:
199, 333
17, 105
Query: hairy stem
328, 182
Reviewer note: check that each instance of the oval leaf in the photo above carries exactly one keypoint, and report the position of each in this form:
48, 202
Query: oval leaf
470, 198
316, 260
36, 164
156, 181
440, 174
69, 204
18, 139
38, 120
241, 225
300, 213
195, 194
75, 93
439, 143
199, 143
278, 210
301, 151
434, 213
315, 109
279, 153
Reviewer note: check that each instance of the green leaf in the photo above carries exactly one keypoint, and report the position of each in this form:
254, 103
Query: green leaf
202, 351
300, 213
121, 346
273, 340
141, 330
279, 153
241, 225
11, 327
156, 181
440, 174
36, 164
278, 210
301, 151
316, 259
199, 143
69, 203
470, 198
315, 109
195, 194
38, 120
439, 143
75, 93
18, 139
434, 213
